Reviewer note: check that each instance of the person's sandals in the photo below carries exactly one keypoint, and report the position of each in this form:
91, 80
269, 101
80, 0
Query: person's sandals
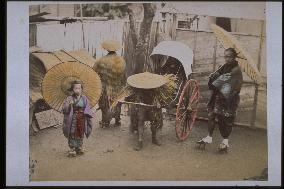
80, 151
223, 148
72, 152
203, 142
156, 142
103, 124
117, 123
139, 146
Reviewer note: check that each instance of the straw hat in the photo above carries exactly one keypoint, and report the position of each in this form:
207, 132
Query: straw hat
58, 80
146, 80
111, 45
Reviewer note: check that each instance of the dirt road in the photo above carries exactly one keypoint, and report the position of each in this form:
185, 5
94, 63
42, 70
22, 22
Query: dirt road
110, 155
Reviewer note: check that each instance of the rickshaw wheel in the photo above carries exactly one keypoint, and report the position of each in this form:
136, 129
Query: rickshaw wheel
187, 109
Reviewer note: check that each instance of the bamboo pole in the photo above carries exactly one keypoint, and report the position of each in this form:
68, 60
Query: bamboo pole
135, 103
253, 119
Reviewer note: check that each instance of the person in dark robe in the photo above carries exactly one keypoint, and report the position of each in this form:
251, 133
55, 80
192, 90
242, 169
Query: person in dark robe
225, 85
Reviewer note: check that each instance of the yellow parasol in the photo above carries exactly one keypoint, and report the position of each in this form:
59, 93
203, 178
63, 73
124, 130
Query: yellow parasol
58, 80
246, 62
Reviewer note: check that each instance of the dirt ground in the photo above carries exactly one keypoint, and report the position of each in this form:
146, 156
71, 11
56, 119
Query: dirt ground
110, 155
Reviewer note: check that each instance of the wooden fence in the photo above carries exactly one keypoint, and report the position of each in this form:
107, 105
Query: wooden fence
87, 35
208, 55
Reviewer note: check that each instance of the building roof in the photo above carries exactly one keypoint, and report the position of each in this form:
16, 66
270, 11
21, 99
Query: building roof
245, 10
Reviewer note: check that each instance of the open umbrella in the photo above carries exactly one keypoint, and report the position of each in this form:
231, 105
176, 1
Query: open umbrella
58, 80
246, 62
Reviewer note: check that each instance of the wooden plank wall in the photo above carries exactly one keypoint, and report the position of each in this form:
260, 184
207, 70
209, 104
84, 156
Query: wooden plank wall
208, 54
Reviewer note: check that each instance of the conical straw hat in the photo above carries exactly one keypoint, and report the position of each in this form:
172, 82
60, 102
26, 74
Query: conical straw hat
146, 80
111, 45
58, 80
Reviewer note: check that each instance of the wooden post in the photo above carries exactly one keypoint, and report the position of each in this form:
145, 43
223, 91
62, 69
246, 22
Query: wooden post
81, 15
195, 42
81, 11
260, 46
174, 25
32, 35
215, 54
57, 9
253, 119
157, 32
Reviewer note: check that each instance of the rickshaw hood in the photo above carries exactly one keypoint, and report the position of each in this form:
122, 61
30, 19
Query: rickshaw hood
177, 50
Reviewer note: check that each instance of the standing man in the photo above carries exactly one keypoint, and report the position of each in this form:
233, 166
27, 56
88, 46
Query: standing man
111, 69
225, 84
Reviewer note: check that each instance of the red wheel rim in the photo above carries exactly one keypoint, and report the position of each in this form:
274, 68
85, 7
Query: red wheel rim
187, 109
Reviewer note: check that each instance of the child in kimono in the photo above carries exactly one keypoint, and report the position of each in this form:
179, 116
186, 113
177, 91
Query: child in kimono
77, 119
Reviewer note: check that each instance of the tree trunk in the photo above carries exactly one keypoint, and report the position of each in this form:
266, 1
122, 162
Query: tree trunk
140, 44
132, 31
141, 48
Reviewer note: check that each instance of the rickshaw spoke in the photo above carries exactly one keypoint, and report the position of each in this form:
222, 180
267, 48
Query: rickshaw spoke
186, 122
187, 109
194, 98
184, 125
183, 114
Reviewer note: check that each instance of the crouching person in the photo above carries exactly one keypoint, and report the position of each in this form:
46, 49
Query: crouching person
146, 99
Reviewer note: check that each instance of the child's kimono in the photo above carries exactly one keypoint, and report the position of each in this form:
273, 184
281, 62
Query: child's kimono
77, 121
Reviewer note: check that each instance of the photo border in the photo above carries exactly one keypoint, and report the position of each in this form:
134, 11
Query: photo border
17, 134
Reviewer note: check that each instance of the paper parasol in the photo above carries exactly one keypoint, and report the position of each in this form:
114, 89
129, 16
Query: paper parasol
58, 80
246, 62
